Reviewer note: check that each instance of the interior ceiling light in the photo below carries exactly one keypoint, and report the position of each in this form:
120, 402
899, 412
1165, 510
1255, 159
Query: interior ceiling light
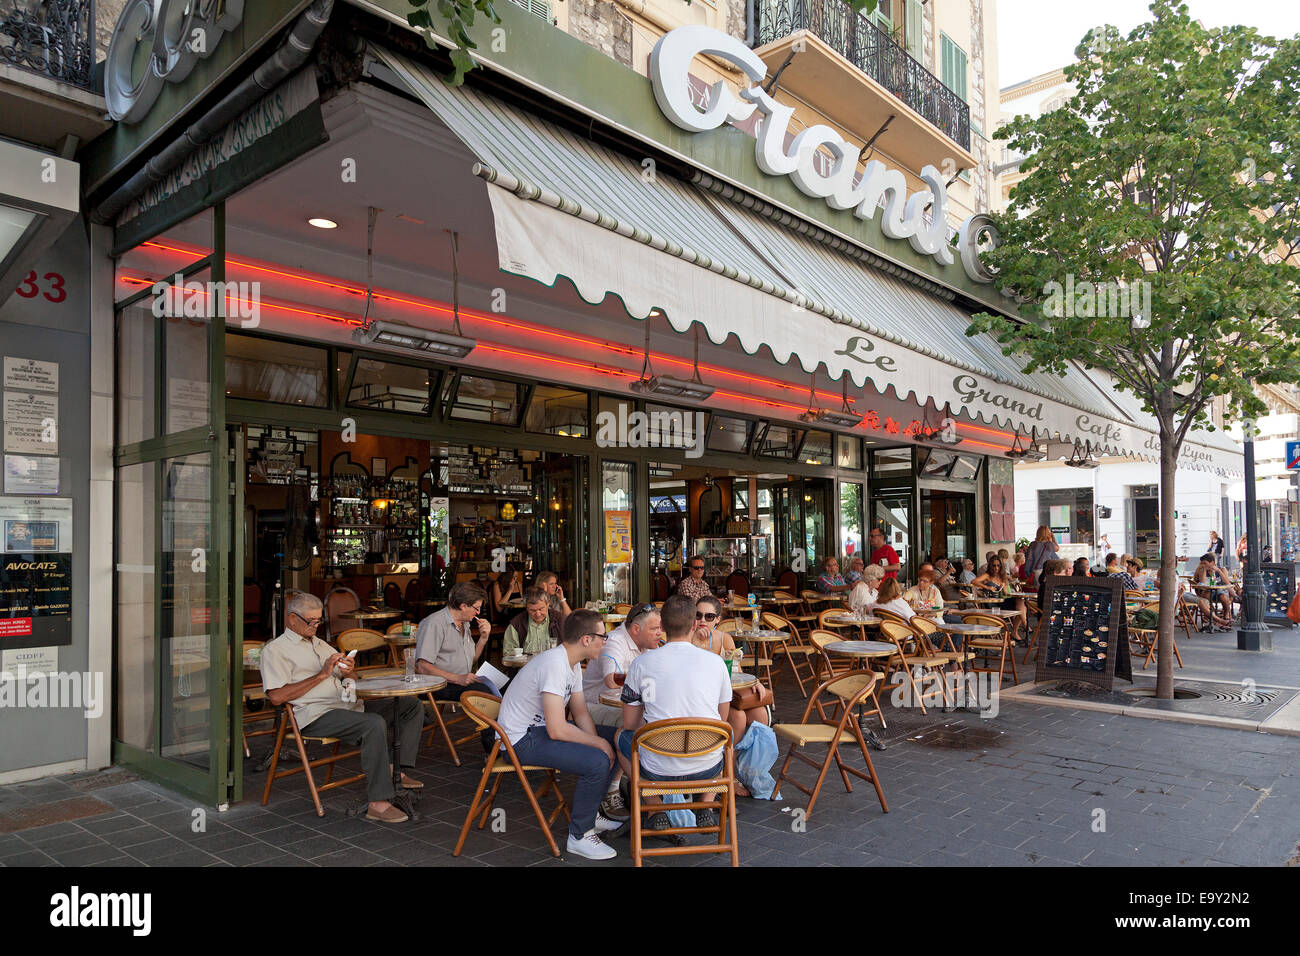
399, 335
846, 417
692, 390
1082, 456
320, 223
1030, 452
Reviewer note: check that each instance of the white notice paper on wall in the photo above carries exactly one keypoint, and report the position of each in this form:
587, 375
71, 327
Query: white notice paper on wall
31, 375
33, 660
31, 423
31, 475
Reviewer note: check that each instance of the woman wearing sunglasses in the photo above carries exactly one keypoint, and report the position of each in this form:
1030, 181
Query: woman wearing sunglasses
708, 636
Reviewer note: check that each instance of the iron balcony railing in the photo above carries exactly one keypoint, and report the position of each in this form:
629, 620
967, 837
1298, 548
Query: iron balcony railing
870, 49
55, 38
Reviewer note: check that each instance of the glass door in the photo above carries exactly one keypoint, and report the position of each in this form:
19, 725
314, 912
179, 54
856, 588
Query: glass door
560, 524
177, 683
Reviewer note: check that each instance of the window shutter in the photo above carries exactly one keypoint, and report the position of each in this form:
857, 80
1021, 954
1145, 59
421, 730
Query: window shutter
953, 66
913, 29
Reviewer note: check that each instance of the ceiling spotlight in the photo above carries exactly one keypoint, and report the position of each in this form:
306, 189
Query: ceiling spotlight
323, 223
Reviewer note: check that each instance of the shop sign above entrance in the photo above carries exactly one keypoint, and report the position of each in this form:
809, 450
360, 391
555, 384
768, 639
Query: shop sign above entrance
157, 42
904, 217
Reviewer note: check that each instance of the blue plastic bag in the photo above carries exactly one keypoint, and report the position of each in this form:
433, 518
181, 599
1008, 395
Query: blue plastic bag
756, 753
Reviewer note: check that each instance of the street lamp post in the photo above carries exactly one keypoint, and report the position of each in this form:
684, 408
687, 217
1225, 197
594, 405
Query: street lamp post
1254, 634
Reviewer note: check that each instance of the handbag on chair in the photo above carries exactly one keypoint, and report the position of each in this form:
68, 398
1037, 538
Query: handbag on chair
750, 697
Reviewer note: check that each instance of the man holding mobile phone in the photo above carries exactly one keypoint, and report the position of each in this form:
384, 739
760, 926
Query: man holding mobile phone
300, 669
549, 583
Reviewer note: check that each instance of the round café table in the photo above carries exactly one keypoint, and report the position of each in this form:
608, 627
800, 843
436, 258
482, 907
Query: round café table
396, 643
765, 636
381, 688
363, 616
519, 661
862, 650
861, 622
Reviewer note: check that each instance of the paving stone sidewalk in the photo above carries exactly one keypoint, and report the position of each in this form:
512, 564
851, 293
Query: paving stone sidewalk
1034, 786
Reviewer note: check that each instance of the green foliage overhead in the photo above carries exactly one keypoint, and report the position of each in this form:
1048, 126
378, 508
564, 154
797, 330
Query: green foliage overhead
1175, 164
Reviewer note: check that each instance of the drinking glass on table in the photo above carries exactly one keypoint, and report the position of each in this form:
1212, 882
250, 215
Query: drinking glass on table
408, 657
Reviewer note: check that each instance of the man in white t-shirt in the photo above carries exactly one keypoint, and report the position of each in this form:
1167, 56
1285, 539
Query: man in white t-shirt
641, 632
677, 680
532, 718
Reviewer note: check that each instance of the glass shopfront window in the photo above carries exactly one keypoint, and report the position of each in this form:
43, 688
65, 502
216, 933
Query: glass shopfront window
617, 495
1068, 512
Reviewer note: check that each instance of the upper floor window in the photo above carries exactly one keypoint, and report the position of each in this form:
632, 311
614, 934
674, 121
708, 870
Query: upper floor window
953, 63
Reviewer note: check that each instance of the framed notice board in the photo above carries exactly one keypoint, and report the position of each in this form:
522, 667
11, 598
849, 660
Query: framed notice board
1085, 631
1279, 589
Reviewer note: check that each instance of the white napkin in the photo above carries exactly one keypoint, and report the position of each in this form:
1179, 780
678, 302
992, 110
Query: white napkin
349, 691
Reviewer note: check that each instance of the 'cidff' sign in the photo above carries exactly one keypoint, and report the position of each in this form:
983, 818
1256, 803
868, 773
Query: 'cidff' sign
175, 34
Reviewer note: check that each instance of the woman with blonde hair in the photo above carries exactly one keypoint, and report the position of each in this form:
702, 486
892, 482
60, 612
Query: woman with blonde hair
864, 592
890, 597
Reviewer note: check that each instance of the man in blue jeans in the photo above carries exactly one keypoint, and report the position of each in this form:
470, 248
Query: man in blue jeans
677, 680
532, 717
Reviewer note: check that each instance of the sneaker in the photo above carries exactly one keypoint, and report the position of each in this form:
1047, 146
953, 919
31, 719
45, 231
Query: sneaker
590, 846
660, 821
614, 807
706, 818
605, 825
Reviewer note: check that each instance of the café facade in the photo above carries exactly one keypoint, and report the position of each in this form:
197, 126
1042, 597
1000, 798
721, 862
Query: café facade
565, 316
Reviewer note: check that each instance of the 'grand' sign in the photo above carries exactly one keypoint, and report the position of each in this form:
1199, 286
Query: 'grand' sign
904, 217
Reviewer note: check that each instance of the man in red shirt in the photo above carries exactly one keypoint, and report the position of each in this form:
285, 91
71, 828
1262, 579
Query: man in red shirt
883, 555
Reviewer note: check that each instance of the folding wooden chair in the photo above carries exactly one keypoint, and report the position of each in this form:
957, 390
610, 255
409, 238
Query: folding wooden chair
1148, 640
482, 709
926, 629
362, 639
826, 625
850, 690
622, 609
250, 652
794, 649
903, 637
986, 648
885, 614
839, 667
686, 737
337, 602
795, 613
289, 722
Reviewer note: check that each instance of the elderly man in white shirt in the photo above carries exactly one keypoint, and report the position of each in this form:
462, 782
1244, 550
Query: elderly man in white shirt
300, 669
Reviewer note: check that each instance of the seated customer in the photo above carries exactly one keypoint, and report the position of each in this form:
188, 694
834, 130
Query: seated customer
830, 581
967, 574
445, 645
890, 597
300, 669
1081, 568
864, 592
1207, 572
532, 718
549, 583
707, 635
693, 584
506, 587
538, 627
925, 594
641, 632
1053, 566
677, 680
854, 574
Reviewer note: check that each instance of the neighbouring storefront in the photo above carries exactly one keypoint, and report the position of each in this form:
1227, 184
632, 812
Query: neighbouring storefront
473, 327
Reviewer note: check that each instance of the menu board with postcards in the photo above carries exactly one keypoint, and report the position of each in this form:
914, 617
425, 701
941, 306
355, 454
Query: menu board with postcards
1085, 633
1279, 589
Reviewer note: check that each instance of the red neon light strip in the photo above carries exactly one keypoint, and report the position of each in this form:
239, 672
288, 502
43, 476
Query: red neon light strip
515, 324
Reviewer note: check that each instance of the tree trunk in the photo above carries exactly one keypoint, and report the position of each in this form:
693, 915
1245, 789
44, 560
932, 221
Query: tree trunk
1168, 565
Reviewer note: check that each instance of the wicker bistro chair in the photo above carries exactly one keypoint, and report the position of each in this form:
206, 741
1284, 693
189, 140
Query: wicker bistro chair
794, 649
832, 667
1145, 641
795, 613
249, 651
987, 648
363, 639
482, 709
686, 737
827, 625
927, 629
1031, 638
828, 666
288, 722
887, 615
622, 609
337, 602
913, 653
850, 690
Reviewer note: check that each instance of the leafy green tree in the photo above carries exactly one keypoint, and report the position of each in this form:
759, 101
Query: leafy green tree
456, 17
1172, 172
